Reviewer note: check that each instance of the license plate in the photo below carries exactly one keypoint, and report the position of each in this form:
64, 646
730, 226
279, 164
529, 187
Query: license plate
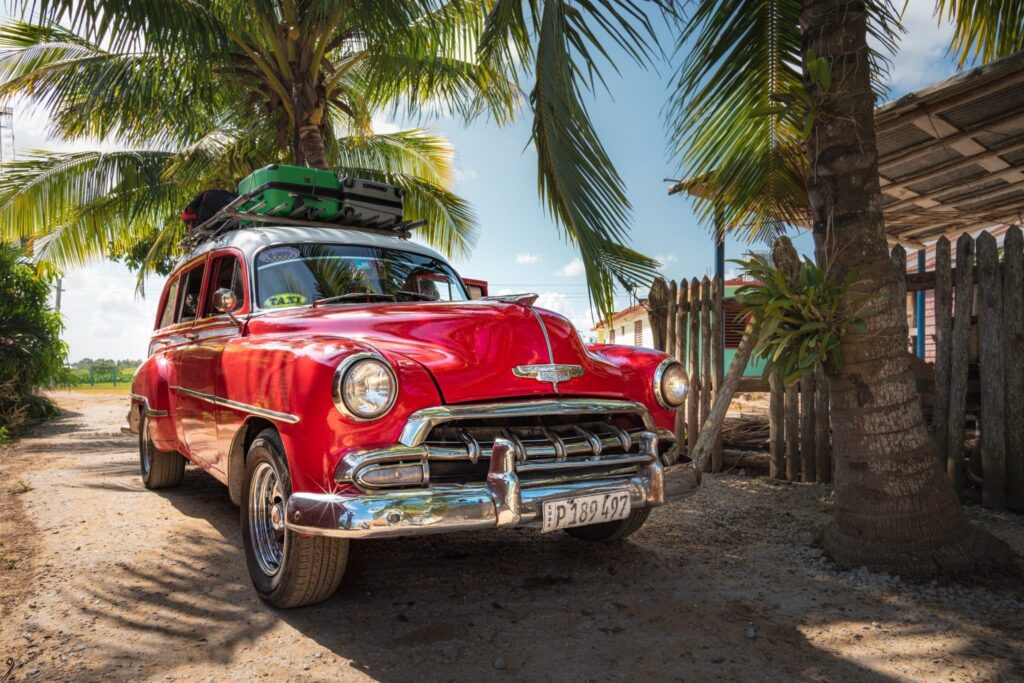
563, 513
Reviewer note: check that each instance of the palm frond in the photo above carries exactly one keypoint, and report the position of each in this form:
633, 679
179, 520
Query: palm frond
984, 30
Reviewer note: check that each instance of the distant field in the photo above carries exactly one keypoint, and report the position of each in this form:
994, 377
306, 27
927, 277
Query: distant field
98, 388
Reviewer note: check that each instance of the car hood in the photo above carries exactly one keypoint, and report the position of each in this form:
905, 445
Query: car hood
470, 348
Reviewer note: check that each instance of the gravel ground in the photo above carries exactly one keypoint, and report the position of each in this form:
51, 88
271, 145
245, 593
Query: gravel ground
101, 579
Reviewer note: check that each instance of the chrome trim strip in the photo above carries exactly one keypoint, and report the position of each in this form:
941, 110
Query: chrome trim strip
244, 407
149, 412
422, 421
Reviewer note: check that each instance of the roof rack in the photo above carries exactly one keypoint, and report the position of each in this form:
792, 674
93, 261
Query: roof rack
229, 218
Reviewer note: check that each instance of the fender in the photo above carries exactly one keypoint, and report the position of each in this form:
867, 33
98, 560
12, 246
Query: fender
151, 397
293, 374
637, 365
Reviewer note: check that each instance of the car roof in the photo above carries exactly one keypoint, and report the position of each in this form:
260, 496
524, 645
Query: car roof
249, 240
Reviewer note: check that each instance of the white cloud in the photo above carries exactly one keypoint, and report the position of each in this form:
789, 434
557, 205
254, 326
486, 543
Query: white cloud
527, 259
562, 303
383, 126
573, 268
921, 58
663, 261
103, 317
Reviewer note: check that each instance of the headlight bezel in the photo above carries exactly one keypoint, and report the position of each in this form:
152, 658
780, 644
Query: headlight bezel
659, 378
342, 373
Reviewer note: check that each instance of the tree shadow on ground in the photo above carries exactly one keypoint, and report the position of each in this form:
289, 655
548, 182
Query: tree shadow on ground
512, 603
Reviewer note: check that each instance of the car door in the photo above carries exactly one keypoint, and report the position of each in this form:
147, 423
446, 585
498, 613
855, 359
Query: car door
201, 375
167, 342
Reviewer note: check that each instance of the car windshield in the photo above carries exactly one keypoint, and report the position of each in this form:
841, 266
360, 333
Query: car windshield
305, 274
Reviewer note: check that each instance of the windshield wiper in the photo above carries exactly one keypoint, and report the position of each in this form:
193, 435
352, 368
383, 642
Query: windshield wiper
355, 296
417, 295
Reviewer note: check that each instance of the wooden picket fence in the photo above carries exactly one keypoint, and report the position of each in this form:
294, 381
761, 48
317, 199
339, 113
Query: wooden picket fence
979, 359
688, 324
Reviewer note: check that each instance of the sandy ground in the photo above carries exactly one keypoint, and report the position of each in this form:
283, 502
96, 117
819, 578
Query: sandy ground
113, 582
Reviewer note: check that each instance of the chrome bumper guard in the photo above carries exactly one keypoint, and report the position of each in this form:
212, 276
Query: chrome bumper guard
503, 501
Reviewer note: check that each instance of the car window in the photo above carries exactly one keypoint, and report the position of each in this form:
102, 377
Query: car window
225, 273
305, 273
191, 289
167, 315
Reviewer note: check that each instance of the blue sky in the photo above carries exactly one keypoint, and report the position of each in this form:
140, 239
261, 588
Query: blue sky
520, 248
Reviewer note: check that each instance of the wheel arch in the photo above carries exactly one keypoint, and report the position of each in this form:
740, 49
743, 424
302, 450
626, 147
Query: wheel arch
239, 449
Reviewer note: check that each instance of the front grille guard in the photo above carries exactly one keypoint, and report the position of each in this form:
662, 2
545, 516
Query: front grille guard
569, 451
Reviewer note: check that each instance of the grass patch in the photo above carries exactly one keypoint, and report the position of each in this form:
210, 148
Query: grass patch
106, 388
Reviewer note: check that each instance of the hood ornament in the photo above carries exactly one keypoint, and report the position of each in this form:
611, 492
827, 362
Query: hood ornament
549, 372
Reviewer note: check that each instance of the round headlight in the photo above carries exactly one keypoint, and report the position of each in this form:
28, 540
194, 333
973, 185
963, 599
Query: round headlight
365, 386
670, 383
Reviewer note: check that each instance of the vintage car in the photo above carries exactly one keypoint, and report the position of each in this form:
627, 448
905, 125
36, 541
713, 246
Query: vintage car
344, 385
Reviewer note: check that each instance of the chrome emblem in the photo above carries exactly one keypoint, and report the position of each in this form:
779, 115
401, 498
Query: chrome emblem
548, 372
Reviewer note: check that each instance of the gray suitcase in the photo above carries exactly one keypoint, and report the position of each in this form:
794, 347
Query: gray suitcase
370, 204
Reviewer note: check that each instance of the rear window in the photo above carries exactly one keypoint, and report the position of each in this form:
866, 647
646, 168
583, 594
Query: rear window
167, 315
191, 289
225, 273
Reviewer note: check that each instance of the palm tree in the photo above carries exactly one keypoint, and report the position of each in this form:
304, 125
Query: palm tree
200, 93
805, 77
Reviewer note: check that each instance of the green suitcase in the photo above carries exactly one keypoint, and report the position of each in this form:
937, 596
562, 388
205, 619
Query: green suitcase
293, 191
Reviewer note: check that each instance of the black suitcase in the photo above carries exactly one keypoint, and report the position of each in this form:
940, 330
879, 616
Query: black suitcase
370, 204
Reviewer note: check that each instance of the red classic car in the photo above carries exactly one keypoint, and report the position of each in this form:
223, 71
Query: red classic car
344, 385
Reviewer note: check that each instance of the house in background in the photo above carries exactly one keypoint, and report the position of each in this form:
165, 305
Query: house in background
632, 327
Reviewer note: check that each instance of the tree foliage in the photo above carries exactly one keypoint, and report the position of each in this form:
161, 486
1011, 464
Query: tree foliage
202, 93
32, 354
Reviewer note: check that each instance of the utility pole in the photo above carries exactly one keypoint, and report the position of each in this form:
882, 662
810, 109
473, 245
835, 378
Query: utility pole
59, 289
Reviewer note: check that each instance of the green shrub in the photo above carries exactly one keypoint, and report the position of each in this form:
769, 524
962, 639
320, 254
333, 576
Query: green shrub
32, 355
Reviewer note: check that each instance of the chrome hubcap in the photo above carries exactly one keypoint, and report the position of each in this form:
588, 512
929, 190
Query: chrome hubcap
266, 519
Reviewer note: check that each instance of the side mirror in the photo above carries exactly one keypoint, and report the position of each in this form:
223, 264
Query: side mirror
225, 301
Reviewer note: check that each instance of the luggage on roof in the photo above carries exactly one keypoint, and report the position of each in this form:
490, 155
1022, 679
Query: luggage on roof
291, 191
370, 204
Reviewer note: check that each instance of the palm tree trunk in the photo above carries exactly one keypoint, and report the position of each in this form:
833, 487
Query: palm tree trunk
894, 508
311, 142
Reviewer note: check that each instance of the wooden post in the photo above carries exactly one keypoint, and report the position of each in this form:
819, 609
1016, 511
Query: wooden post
807, 455
943, 346
822, 433
959, 359
990, 352
670, 320
705, 357
701, 452
682, 311
793, 432
776, 425
657, 301
1013, 314
693, 398
717, 353
899, 262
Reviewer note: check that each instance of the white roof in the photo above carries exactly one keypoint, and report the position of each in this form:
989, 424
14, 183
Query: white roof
249, 240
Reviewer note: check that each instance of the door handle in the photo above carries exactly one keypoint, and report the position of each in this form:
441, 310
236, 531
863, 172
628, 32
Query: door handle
191, 336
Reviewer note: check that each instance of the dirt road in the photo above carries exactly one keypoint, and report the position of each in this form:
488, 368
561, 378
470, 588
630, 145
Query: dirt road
110, 581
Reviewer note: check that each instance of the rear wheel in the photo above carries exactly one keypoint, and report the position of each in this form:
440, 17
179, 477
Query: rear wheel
611, 531
160, 469
287, 569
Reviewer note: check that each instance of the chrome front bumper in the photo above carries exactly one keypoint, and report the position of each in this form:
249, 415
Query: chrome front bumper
501, 502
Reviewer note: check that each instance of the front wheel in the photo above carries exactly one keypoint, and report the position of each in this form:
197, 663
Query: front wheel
287, 569
611, 531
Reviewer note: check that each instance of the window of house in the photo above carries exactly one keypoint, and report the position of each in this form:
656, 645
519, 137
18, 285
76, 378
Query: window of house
167, 315
611, 336
225, 273
638, 333
191, 290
